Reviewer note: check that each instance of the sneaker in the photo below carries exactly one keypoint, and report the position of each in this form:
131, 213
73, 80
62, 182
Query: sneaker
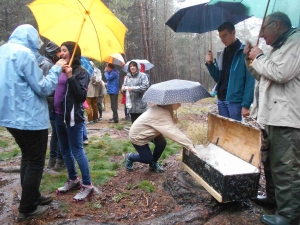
100, 118
85, 191
51, 163
69, 185
40, 210
44, 199
90, 122
86, 142
129, 163
59, 165
156, 167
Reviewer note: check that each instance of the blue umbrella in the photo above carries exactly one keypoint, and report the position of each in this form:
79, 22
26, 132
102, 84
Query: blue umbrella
175, 91
201, 18
85, 63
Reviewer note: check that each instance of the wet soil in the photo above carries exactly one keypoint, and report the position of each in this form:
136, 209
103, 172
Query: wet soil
177, 198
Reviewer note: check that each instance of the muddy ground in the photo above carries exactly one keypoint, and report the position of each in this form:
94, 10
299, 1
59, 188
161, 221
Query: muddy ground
177, 198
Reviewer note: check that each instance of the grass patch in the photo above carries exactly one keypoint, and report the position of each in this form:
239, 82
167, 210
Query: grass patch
197, 132
10, 154
147, 186
3, 144
119, 196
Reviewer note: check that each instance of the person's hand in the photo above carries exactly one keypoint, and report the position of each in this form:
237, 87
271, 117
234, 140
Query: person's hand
68, 71
245, 112
124, 88
105, 69
209, 58
247, 49
61, 63
254, 52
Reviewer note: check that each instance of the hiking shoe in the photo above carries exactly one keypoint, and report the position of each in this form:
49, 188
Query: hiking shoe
40, 210
86, 142
129, 163
113, 121
69, 185
44, 199
51, 163
60, 165
156, 167
84, 192
100, 118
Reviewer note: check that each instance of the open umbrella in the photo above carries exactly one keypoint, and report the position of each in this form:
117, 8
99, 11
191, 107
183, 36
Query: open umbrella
116, 59
200, 17
89, 23
148, 65
258, 8
175, 91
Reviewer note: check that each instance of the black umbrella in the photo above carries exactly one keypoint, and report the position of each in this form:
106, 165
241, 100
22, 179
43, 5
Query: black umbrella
175, 91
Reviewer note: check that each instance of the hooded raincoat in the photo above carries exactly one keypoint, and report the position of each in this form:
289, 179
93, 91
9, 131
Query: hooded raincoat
24, 89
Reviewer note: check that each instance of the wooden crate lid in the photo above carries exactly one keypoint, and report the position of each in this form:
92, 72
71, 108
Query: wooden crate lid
237, 138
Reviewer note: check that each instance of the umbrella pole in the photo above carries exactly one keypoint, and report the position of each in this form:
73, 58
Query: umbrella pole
262, 23
80, 31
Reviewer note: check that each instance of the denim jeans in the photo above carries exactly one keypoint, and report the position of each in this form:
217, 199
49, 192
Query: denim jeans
54, 145
71, 147
33, 145
231, 110
85, 137
145, 155
114, 106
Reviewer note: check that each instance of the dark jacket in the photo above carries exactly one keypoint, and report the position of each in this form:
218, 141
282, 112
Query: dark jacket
240, 84
76, 91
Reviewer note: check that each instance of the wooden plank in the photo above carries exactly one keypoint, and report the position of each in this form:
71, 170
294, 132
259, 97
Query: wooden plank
215, 194
239, 139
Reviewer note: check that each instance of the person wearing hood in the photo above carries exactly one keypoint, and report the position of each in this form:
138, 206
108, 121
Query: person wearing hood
112, 86
52, 55
69, 97
24, 111
136, 83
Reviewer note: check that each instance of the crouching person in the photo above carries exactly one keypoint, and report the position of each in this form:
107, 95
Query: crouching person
158, 121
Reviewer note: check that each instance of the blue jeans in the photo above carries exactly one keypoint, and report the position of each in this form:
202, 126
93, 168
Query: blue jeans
54, 145
231, 110
33, 145
71, 147
145, 155
85, 137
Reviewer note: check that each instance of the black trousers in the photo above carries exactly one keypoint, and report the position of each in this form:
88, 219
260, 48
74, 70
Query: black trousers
33, 146
114, 106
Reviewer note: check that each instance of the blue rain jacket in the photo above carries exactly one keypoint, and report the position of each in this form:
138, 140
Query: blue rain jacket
23, 87
112, 79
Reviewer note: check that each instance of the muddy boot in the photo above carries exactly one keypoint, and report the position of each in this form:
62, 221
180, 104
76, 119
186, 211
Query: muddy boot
156, 167
51, 163
85, 192
60, 165
69, 185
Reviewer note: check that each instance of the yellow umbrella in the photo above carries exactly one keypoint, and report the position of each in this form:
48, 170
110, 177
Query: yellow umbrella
89, 23
116, 59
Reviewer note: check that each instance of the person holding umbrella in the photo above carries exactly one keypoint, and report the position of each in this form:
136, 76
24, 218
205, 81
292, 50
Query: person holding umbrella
160, 120
70, 94
235, 86
278, 110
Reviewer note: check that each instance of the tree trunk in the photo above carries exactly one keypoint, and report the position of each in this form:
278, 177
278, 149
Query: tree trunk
143, 30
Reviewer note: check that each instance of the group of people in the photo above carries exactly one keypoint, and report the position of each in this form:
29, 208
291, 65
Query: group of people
275, 106
24, 110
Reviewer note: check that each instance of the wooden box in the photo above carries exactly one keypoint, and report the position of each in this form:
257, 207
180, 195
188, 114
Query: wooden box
228, 167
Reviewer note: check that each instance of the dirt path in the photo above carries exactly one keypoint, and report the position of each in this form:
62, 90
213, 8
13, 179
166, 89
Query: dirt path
177, 198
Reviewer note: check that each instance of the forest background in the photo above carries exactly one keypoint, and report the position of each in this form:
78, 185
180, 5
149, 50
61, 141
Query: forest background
175, 55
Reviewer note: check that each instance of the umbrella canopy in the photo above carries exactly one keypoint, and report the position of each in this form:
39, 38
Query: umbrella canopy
85, 63
116, 59
175, 91
202, 17
148, 65
89, 23
257, 7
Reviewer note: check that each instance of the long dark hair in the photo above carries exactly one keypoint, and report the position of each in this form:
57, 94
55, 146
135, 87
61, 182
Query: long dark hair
70, 46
